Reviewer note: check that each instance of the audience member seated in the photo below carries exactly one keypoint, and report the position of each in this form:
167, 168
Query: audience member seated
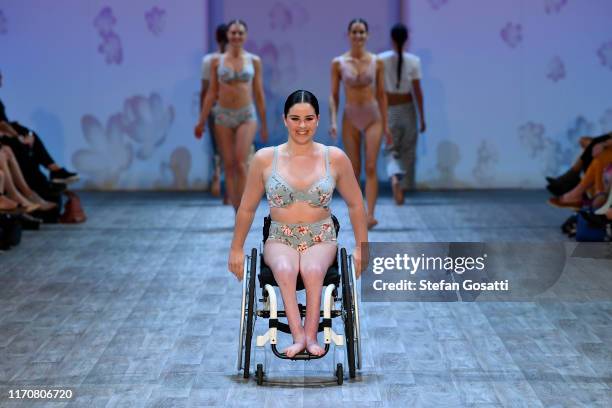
30, 153
592, 146
595, 182
15, 186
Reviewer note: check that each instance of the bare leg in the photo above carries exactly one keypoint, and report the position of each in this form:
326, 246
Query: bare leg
18, 179
284, 263
351, 138
11, 190
5, 202
225, 147
314, 263
242, 147
373, 138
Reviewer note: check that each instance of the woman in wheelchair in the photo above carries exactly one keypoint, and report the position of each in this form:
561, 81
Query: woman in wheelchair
298, 178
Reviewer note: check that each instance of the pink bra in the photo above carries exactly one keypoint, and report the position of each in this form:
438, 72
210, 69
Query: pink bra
354, 79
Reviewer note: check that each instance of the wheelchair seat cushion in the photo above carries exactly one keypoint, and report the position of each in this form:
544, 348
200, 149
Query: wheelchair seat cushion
266, 276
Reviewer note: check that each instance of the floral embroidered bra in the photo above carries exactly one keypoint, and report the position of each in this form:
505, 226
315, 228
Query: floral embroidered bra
280, 194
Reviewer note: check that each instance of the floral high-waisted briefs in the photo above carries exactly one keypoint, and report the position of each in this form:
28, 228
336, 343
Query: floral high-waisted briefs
302, 236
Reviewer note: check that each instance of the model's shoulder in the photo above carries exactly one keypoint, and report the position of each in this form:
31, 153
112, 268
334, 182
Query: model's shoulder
336, 154
264, 155
412, 57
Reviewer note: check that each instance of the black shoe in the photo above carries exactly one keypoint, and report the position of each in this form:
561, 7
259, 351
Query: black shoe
564, 183
63, 176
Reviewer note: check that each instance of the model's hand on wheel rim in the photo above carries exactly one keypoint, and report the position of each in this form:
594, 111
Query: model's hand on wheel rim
236, 263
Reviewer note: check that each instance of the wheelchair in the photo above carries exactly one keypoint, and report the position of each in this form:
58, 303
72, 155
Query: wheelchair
339, 298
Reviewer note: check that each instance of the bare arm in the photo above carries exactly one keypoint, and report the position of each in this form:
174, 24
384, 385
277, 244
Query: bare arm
253, 190
381, 97
334, 98
205, 83
418, 95
211, 92
347, 186
260, 99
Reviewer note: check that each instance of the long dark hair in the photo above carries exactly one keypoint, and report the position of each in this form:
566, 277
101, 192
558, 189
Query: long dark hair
358, 20
221, 36
301, 96
399, 35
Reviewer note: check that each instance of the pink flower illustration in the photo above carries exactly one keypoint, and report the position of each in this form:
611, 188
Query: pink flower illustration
512, 34
303, 229
554, 6
531, 135
556, 69
286, 231
284, 16
437, 4
147, 122
111, 48
326, 227
156, 20
108, 154
302, 247
3, 23
605, 54
318, 238
105, 21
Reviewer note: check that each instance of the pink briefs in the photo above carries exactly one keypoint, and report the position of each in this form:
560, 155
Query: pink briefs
362, 115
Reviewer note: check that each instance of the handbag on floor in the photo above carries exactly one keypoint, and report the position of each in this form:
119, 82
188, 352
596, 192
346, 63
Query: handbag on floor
73, 211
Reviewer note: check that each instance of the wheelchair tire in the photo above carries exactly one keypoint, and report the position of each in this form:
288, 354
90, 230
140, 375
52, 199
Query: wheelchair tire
259, 374
250, 312
339, 374
347, 305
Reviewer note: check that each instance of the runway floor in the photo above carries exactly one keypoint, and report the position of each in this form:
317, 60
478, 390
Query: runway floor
135, 308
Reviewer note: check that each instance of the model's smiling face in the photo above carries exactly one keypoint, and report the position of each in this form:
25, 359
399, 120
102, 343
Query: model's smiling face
358, 34
236, 34
302, 122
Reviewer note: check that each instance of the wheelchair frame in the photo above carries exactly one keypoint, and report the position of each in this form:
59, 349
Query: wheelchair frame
349, 312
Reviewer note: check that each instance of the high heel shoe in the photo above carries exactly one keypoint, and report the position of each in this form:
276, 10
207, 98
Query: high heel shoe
604, 208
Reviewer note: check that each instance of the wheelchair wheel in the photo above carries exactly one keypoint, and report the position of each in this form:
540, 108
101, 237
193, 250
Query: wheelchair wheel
347, 313
250, 310
355, 299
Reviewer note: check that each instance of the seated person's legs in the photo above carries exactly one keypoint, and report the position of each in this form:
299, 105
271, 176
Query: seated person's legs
284, 263
314, 263
18, 183
593, 178
33, 152
6, 204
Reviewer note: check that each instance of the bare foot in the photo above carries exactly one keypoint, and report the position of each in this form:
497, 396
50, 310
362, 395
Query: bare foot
372, 222
398, 193
313, 348
6, 204
295, 348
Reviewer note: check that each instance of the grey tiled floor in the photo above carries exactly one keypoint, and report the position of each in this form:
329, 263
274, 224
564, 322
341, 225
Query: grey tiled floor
135, 308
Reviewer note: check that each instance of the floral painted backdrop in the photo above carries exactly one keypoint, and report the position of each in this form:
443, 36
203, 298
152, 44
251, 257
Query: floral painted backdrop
112, 87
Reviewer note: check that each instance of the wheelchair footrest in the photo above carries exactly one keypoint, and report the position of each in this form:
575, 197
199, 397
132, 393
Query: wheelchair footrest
305, 355
284, 327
